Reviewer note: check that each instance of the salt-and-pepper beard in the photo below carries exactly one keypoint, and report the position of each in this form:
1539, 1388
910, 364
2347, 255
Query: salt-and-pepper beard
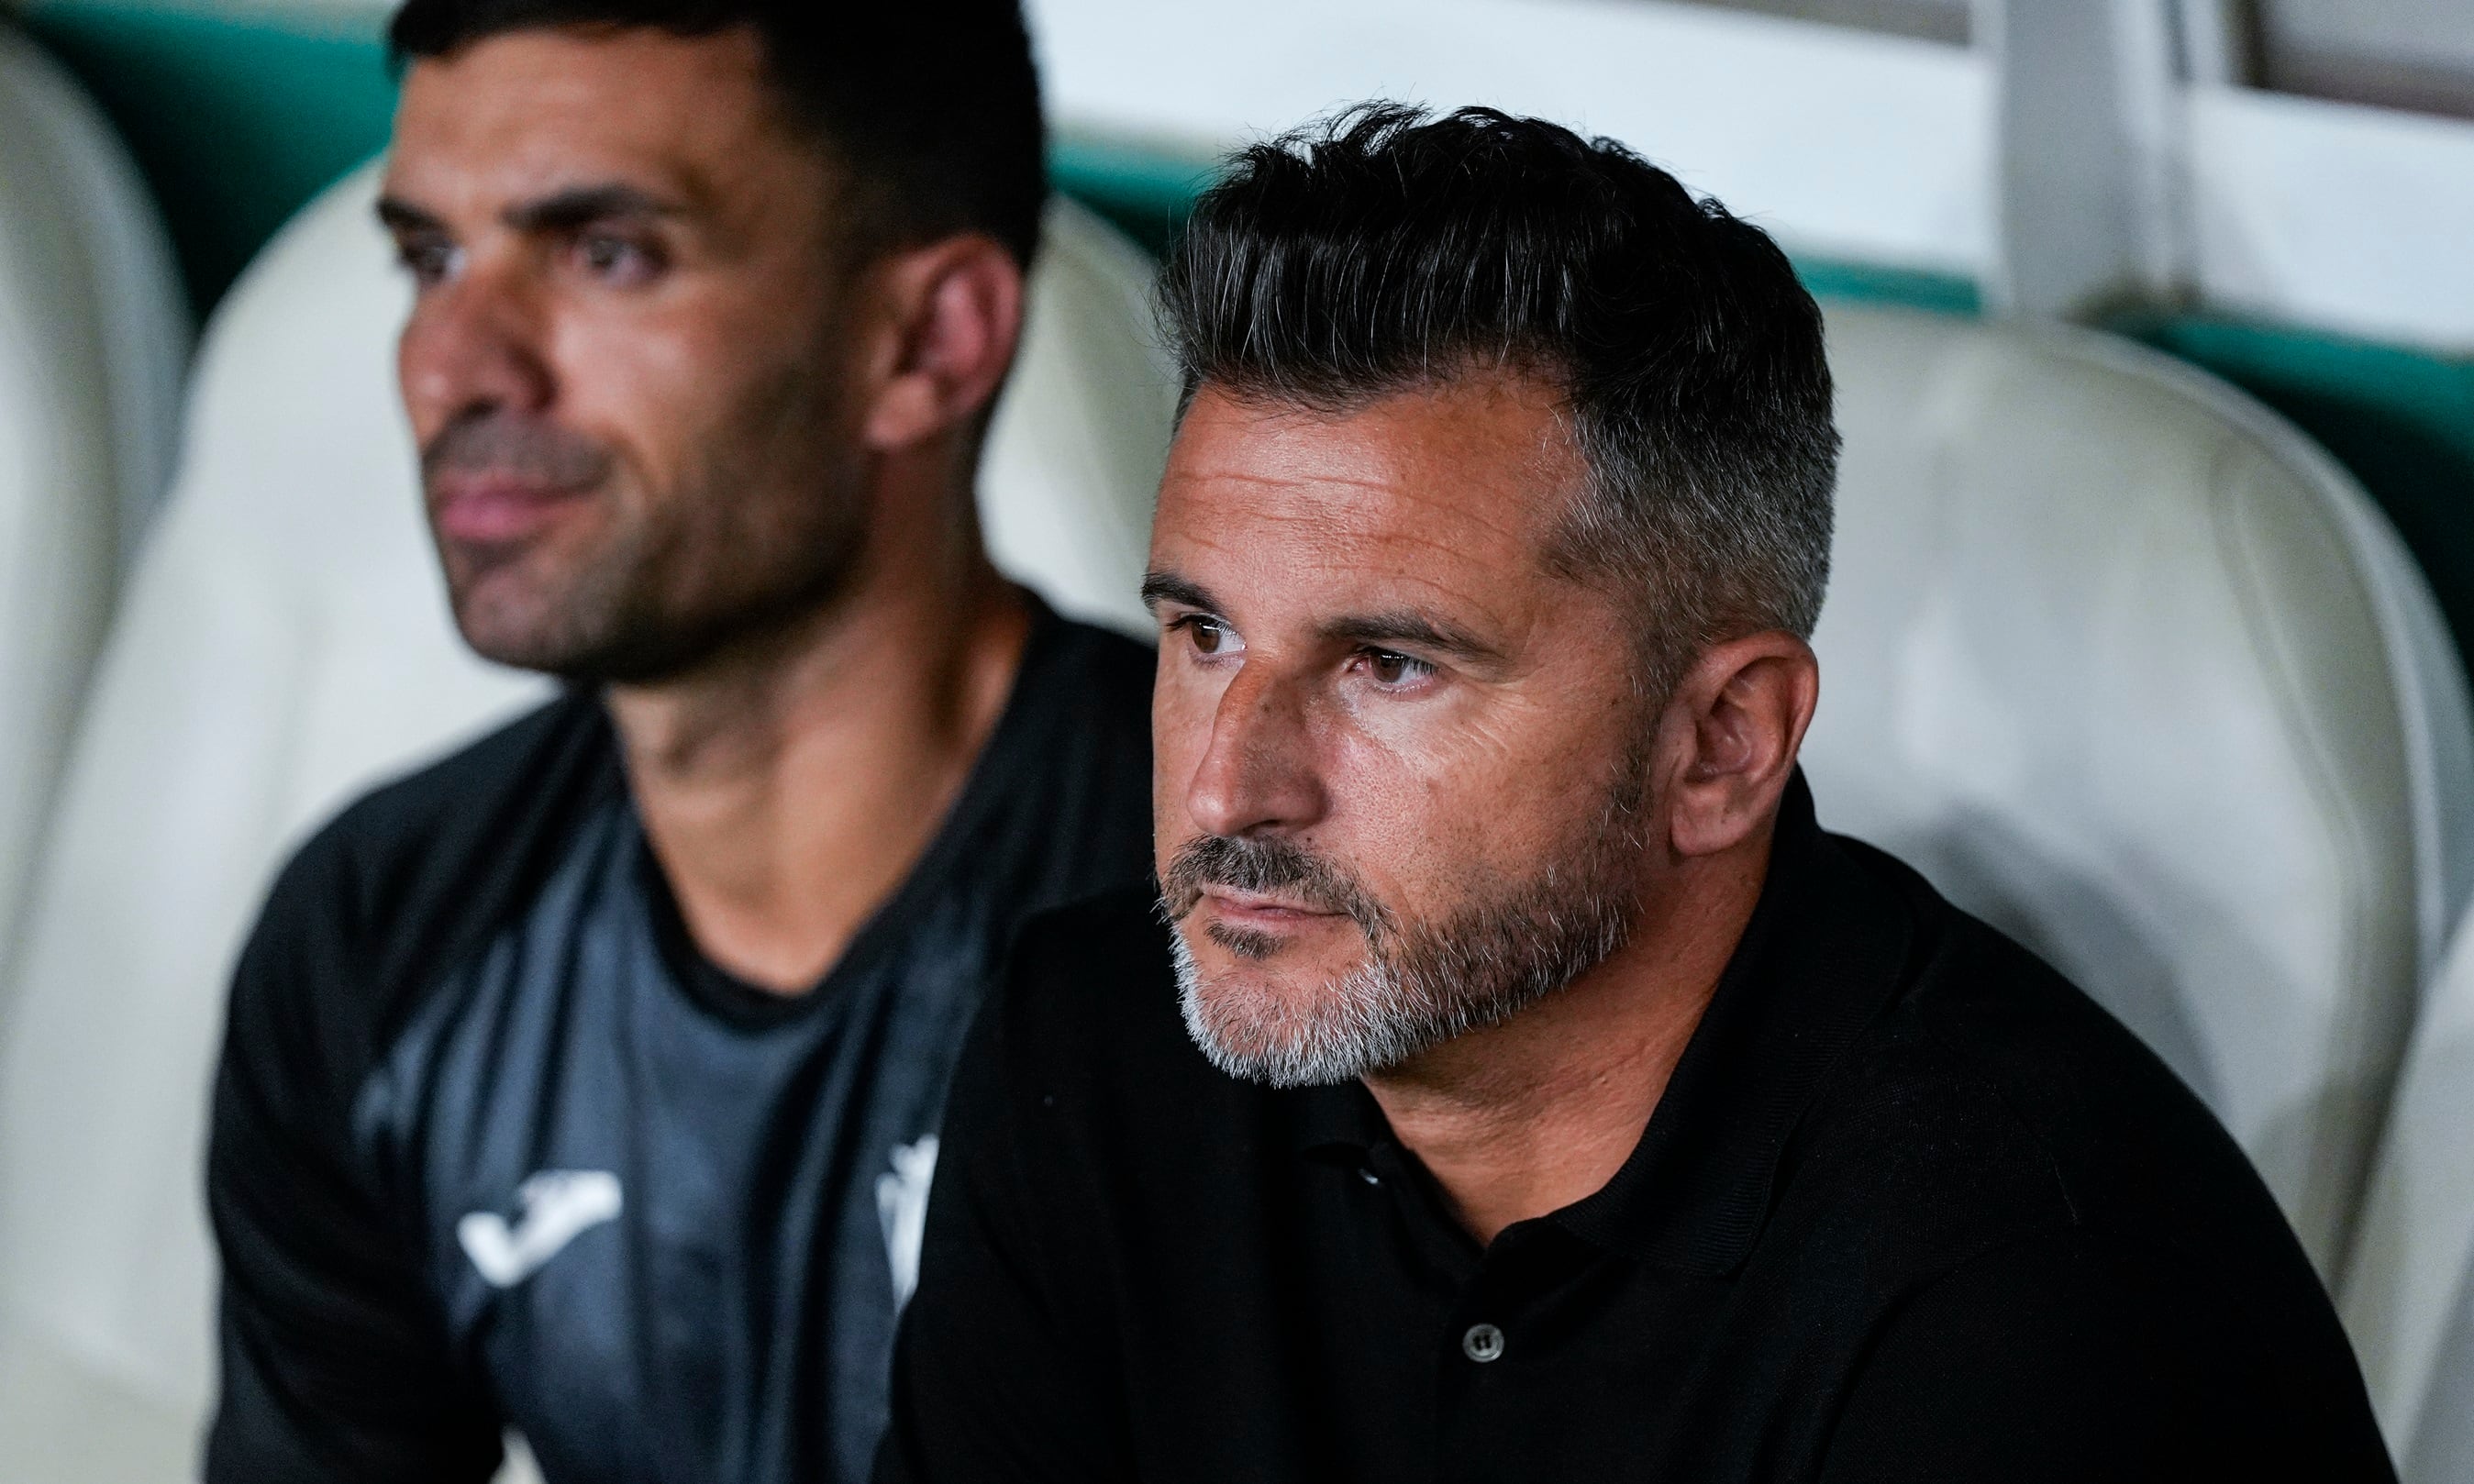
1422, 983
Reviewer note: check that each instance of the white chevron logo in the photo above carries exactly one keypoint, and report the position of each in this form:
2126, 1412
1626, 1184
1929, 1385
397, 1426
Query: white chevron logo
559, 1206
901, 1209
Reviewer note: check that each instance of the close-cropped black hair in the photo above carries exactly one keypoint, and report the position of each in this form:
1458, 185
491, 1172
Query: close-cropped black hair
933, 106
1386, 248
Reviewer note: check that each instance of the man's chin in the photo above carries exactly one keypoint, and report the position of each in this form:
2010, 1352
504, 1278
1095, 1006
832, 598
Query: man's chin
1268, 1019
1237, 987
520, 630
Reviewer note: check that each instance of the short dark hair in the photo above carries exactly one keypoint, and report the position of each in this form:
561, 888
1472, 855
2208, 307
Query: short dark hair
1384, 249
933, 106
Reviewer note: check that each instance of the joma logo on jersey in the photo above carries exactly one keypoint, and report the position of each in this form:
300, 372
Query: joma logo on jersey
902, 1209
558, 1207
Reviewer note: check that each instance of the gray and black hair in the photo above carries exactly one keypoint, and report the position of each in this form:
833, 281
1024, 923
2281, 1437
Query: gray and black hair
1387, 249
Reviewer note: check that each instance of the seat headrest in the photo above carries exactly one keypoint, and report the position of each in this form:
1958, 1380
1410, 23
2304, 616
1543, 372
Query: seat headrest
2131, 669
92, 338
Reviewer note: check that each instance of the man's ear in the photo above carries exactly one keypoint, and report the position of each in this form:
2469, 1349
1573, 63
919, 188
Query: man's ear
953, 318
1735, 722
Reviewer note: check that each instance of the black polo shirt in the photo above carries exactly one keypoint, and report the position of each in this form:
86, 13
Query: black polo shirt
1911, 1208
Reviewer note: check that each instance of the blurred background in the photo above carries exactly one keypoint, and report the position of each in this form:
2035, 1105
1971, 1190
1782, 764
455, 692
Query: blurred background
2154, 327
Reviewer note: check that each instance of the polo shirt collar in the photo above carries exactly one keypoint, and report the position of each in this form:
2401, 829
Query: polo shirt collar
1824, 953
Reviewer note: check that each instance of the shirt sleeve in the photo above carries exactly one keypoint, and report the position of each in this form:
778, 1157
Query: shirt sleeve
2072, 1358
334, 1363
994, 1381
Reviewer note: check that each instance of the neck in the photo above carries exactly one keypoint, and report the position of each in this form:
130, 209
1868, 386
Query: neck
788, 784
1531, 1116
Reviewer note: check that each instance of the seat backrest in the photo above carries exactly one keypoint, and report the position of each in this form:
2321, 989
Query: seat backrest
2408, 1298
284, 645
2128, 667
92, 335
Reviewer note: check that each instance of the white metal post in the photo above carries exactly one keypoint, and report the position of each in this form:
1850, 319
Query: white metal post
2089, 197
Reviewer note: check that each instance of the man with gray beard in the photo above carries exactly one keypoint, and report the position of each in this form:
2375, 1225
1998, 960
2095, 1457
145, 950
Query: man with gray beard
1553, 1098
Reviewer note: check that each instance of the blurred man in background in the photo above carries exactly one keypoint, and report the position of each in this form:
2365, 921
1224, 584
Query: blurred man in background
1509, 1079
585, 1085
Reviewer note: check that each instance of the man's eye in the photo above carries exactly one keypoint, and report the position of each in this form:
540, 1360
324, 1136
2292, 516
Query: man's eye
428, 259
617, 258
1392, 668
1211, 637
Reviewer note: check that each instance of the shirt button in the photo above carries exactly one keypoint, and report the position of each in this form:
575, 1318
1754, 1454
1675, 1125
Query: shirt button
1369, 1175
1483, 1342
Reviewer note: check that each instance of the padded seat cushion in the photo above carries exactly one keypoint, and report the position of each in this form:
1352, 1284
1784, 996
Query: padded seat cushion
92, 336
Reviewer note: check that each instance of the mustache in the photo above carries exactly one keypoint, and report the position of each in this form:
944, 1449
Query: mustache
526, 448
1272, 865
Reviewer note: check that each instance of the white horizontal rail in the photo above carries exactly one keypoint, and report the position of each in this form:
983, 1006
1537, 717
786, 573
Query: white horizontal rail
2359, 220
1869, 147
1872, 148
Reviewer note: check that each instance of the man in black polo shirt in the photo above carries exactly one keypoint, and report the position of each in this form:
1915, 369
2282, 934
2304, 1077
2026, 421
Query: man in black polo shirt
1512, 1080
586, 1085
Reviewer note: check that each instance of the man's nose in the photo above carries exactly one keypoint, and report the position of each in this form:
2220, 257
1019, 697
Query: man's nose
1259, 774
475, 343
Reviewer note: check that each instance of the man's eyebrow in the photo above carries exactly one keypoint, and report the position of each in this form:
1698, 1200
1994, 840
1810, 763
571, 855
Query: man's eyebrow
580, 206
1167, 587
1406, 628
399, 215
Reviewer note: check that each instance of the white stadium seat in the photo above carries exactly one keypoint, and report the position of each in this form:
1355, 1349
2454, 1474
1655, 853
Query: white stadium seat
2409, 1292
2129, 667
283, 645
92, 335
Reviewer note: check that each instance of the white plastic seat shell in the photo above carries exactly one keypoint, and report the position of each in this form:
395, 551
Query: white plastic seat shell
286, 645
2129, 667
2408, 1293
92, 337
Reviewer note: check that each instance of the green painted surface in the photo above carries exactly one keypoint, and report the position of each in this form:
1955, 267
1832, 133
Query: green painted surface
1940, 292
2401, 420
1144, 193
238, 115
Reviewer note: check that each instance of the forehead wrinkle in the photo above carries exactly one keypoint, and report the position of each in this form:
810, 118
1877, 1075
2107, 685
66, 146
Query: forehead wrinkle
1411, 503
1407, 564
1506, 518
1388, 555
1374, 590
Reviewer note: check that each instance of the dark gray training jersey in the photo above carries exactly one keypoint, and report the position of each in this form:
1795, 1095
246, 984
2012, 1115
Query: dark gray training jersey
495, 1147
